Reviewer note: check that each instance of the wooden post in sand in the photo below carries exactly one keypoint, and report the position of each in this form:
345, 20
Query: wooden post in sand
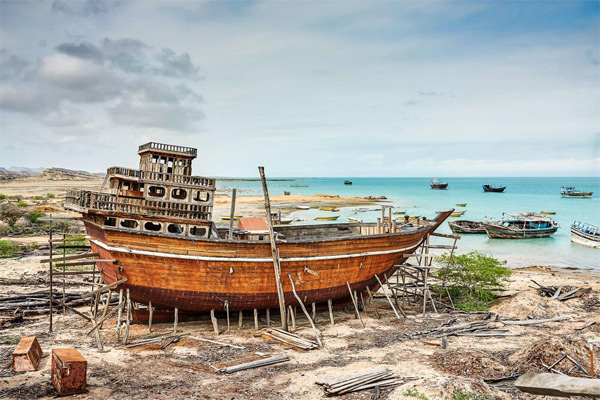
330, 307
50, 273
214, 322
275, 253
232, 214
150, 310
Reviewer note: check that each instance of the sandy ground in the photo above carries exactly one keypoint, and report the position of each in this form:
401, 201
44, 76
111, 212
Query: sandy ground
185, 369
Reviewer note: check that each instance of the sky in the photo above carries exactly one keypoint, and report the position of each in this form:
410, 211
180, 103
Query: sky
305, 88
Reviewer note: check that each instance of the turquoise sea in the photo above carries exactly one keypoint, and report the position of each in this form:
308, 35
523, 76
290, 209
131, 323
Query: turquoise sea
415, 196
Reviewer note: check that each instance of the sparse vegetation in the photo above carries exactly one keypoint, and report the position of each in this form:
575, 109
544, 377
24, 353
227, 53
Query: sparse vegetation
22, 204
38, 197
2, 196
34, 215
9, 340
11, 213
50, 195
472, 279
8, 248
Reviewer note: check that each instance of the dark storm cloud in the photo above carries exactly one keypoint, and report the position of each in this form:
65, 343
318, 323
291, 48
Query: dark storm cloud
84, 50
179, 66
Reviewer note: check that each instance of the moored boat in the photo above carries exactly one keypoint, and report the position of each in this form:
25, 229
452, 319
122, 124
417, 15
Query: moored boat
458, 213
335, 217
548, 212
152, 229
303, 207
521, 226
354, 220
461, 205
347, 182
329, 209
399, 212
585, 234
436, 184
227, 217
570, 191
493, 189
464, 226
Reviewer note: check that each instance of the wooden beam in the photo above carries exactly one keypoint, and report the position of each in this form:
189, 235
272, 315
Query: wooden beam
67, 258
111, 286
312, 324
66, 273
275, 253
232, 213
558, 385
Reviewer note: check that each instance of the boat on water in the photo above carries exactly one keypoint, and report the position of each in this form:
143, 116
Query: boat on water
329, 209
464, 226
570, 191
399, 212
298, 185
461, 205
521, 226
153, 231
285, 221
227, 217
354, 220
548, 212
436, 184
335, 217
303, 207
457, 213
361, 209
347, 182
493, 189
585, 234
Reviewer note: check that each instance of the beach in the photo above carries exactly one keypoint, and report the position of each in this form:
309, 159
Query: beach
475, 365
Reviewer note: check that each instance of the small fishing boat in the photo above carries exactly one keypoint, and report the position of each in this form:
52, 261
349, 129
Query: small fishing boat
298, 185
285, 221
347, 182
409, 218
457, 213
227, 217
399, 212
436, 184
354, 220
492, 189
570, 191
303, 207
286, 193
461, 205
547, 212
464, 226
327, 218
361, 209
585, 234
329, 209
521, 226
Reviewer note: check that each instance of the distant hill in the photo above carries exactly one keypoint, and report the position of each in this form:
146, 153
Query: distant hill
62, 174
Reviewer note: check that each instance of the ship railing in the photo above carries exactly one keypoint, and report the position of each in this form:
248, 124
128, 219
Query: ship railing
168, 147
206, 183
587, 228
85, 201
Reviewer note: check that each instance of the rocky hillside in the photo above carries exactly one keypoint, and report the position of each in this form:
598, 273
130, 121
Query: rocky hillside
61, 174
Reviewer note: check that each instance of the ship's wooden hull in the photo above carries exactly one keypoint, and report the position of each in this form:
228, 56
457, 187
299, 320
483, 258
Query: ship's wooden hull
466, 227
500, 232
204, 275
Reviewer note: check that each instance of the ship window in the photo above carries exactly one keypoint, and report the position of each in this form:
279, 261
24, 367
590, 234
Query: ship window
174, 228
129, 223
151, 226
198, 231
110, 221
178, 194
154, 159
156, 191
201, 196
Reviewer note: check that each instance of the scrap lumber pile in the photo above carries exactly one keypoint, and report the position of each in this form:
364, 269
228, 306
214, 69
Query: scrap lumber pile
255, 364
164, 341
477, 328
38, 302
562, 293
380, 377
289, 339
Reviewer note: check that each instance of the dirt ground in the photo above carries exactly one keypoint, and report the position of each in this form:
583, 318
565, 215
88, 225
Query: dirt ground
186, 369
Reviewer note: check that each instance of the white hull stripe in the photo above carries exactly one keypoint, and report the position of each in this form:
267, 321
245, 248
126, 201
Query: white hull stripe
243, 259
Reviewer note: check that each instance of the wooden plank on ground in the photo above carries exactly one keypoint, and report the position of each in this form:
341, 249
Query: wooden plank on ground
558, 385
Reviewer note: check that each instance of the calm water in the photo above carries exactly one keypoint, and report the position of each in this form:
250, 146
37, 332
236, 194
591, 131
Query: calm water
521, 195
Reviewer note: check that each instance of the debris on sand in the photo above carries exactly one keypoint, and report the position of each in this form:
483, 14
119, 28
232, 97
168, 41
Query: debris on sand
470, 363
562, 293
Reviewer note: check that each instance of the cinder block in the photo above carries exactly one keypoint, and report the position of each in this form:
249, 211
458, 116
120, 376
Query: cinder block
26, 356
69, 370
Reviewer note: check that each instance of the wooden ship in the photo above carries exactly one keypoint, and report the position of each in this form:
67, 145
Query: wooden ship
437, 185
521, 226
465, 226
493, 189
570, 191
152, 229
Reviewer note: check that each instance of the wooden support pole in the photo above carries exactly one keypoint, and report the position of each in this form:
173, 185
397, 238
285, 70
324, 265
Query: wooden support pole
355, 305
268, 317
425, 288
50, 273
240, 319
103, 288
150, 312
373, 302
63, 279
227, 311
128, 321
293, 317
176, 320
314, 311
275, 253
214, 321
120, 315
96, 333
330, 307
312, 324
387, 296
255, 319
232, 213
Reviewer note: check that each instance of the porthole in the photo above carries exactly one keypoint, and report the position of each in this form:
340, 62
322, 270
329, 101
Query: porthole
178, 194
110, 221
129, 223
151, 226
198, 231
175, 229
201, 196
156, 191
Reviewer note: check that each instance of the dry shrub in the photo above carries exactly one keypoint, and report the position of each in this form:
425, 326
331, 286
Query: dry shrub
532, 358
470, 363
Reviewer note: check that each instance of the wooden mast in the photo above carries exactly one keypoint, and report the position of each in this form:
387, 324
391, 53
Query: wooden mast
276, 265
